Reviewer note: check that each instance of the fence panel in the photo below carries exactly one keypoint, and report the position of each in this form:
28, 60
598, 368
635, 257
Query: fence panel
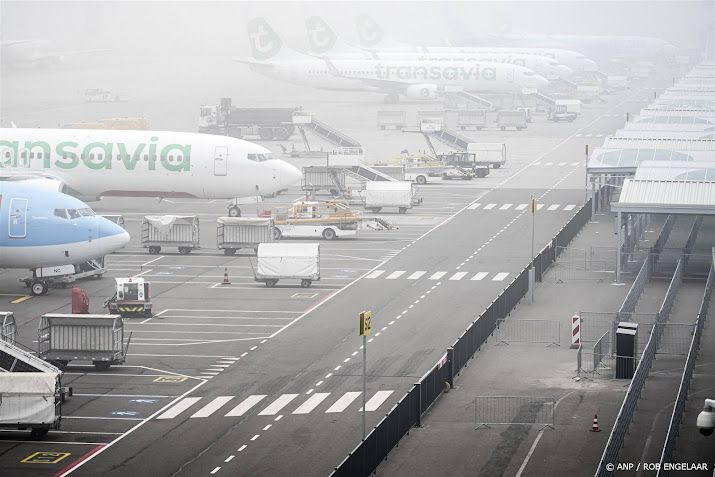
528, 331
508, 410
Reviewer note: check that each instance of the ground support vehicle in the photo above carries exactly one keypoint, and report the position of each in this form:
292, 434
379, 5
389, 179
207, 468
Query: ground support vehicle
132, 298
235, 233
312, 219
99, 339
400, 194
508, 119
265, 123
62, 275
279, 261
180, 231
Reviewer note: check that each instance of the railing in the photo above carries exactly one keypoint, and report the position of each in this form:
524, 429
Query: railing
679, 407
629, 303
365, 458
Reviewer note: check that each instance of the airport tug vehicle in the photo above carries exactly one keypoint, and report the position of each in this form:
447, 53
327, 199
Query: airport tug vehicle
132, 298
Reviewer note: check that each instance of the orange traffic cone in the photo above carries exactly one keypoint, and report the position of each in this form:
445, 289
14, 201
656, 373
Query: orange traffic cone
594, 427
225, 277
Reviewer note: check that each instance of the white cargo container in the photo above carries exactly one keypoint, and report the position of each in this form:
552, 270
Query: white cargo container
31, 400
491, 154
508, 119
380, 194
277, 261
234, 233
180, 231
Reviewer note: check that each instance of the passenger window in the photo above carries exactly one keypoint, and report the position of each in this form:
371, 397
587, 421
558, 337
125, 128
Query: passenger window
171, 158
146, 157
23, 154
91, 157
32, 155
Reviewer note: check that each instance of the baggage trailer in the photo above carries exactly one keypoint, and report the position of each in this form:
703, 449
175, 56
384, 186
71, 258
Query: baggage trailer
62, 338
180, 231
235, 233
380, 194
509, 119
31, 400
296, 261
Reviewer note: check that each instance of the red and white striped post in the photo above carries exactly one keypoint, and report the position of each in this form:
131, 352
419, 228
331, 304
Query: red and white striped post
575, 331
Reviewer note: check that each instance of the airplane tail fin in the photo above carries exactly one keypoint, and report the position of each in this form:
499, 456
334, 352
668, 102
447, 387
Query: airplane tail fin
323, 40
265, 42
369, 33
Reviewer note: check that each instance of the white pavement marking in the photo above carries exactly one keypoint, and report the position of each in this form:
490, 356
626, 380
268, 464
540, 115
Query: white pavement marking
500, 276
569, 207
245, 405
505, 207
375, 274
553, 207
374, 402
179, 407
212, 407
273, 408
458, 276
216, 469
416, 275
395, 275
479, 276
537, 163
489, 206
345, 400
521, 206
473, 206
539, 206
240, 449
230, 458
575, 163
437, 275
549, 164
311, 403
561, 163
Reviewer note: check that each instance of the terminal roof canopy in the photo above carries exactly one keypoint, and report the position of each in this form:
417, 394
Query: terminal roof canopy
605, 160
666, 197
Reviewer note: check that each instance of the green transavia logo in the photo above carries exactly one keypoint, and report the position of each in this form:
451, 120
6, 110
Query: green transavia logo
95, 155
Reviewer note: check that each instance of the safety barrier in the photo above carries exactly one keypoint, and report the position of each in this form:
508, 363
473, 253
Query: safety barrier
663, 237
528, 331
679, 407
408, 412
631, 299
510, 410
601, 348
692, 237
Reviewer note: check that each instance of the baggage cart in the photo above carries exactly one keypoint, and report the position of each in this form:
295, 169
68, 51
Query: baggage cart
235, 233
62, 338
181, 231
8, 327
296, 261
31, 400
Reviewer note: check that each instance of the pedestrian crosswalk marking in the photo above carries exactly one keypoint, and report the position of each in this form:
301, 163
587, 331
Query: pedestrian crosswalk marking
569, 207
521, 206
561, 164
575, 163
458, 276
480, 276
394, 275
553, 207
245, 405
311, 403
505, 206
437, 275
212, 407
179, 407
376, 400
474, 206
537, 163
539, 206
549, 164
489, 206
273, 408
375, 274
500, 276
416, 275
345, 400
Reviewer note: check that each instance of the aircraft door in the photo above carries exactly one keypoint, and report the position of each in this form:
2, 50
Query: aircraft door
17, 225
221, 161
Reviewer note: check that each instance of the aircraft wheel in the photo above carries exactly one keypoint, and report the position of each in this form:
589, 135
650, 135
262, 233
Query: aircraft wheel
234, 211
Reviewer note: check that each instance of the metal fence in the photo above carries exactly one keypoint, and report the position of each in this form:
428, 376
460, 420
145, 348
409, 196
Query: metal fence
365, 458
679, 407
595, 324
675, 338
510, 410
601, 365
631, 299
528, 331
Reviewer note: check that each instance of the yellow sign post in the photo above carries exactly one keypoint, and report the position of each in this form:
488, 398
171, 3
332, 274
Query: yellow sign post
365, 329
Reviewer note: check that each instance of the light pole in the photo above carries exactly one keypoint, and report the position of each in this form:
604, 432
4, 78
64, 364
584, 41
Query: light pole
532, 271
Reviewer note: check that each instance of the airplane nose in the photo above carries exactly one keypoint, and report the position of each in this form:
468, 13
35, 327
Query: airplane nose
116, 237
290, 175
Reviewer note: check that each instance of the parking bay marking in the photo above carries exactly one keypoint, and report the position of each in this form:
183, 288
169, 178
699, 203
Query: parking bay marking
45, 457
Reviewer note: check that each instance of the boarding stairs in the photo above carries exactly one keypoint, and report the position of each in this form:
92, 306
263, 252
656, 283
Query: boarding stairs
14, 359
366, 173
469, 98
327, 133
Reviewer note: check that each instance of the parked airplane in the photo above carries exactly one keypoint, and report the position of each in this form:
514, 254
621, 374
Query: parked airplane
35, 52
91, 163
413, 79
372, 37
324, 42
40, 228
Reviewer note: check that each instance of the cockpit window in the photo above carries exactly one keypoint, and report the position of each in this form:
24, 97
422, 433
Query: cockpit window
74, 213
260, 157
